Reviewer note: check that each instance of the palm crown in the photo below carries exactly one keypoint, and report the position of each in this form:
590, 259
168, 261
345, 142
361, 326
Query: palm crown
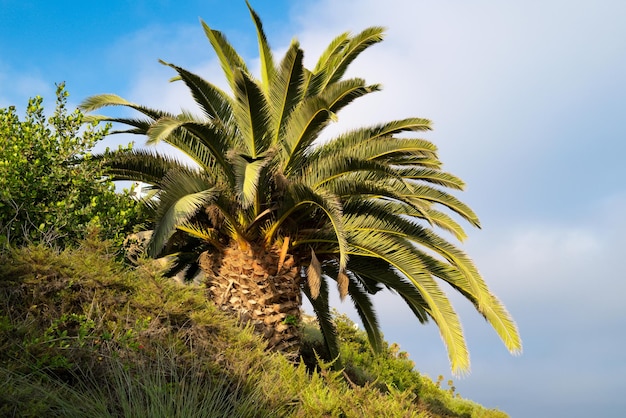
360, 209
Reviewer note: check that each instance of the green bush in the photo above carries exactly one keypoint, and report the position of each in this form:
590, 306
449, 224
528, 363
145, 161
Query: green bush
51, 189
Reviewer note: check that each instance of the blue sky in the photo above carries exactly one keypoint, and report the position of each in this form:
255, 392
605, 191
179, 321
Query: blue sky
528, 101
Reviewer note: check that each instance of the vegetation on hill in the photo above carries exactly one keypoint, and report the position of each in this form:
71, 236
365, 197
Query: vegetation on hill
83, 335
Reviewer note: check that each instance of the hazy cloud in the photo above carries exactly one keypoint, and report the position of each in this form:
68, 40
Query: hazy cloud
14, 87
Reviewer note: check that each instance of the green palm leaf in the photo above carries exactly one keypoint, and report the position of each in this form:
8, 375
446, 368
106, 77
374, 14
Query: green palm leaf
340, 58
141, 126
230, 60
210, 235
103, 100
446, 223
302, 197
376, 270
361, 189
376, 142
342, 93
365, 309
333, 49
400, 256
430, 175
302, 129
145, 166
434, 195
183, 194
489, 306
318, 173
267, 61
469, 281
324, 318
212, 100
286, 89
252, 114
363, 305
247, 177
204, 142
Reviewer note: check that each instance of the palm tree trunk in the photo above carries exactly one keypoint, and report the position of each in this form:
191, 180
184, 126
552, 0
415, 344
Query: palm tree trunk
247, 283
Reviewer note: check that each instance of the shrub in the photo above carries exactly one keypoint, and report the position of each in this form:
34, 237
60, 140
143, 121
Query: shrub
51, 189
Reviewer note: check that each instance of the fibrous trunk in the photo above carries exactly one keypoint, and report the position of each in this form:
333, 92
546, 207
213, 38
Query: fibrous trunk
247, 282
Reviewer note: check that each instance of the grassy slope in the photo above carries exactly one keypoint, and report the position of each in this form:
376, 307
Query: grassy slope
81, 335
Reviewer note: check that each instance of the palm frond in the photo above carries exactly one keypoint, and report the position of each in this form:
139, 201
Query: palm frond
183, 194
400, 255
230, 60
365, 309
486, 304
377, 223
314, 275
407, 152
370, 269
162, 129
333, 49
342, 93
252, 114
247, 173
210, 235
376, 141
314, 81
267, 60
431, 194
286, 88
145, 166
140, 125
430, 175
398, 208
324, 317
363, 305
446, 223
504, 325
302, 197
359, 188
302, 129
318, 173
102, 100
338, 62
212, 100
203, 142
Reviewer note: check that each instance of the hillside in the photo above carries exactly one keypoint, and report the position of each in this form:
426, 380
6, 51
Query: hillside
84, 335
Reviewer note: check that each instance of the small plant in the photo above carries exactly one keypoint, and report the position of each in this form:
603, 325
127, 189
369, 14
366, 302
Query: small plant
290, 320
451, 387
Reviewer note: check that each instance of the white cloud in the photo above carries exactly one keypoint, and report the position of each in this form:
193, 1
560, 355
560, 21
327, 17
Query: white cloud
547, 259
16, 88
511, 89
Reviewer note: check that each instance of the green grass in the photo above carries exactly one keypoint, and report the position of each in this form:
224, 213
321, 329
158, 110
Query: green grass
83, 335
155, 389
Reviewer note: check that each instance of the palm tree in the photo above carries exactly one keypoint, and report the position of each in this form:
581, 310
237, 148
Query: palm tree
268, 212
